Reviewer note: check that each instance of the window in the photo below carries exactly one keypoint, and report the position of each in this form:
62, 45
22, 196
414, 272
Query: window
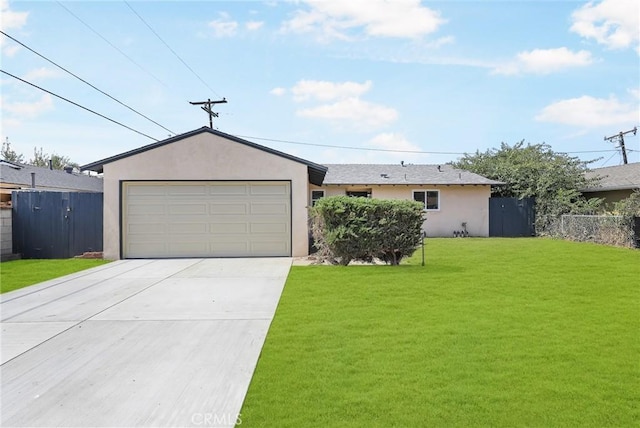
316, 195
430, 199
366, 193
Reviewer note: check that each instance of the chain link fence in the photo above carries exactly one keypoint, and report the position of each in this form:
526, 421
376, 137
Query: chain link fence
603, 229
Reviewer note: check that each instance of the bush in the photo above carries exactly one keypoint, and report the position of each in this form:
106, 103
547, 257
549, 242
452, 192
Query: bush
346, 229
629, 208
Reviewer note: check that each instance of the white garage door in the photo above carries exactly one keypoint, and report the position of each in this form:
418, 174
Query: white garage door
206, 219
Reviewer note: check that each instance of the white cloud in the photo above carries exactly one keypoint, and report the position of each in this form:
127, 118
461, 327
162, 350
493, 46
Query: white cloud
278, 91
613, 23
393, 141
28, 110
224, 26
325, 91
9, 51
10, 19
253, 25
545, 61
438, 43
353, 111
332, 19
589, 112
41, 74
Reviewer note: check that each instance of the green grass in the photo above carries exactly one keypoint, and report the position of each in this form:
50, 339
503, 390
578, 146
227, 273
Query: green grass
491, 332
21, 273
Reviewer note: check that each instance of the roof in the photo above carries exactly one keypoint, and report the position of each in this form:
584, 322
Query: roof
316, 171
369, 174
18, 176
619, 177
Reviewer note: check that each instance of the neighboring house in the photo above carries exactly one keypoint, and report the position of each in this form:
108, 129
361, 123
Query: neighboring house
20, 177
450, 196
16, 176
205, 193
616, 182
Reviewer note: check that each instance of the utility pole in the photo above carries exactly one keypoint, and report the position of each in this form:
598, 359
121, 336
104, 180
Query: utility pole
206, 106
620, 138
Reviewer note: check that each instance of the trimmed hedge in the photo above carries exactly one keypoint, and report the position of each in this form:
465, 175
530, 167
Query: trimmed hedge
346, 228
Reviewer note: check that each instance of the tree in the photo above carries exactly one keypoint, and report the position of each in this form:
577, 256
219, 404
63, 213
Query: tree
9, 154
534, 170
41, 159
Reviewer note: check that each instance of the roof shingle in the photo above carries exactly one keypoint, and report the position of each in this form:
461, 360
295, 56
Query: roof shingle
51, 179
363, 174
619, 177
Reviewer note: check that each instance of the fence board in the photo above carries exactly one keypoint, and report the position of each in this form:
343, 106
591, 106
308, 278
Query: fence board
512, 217
49, 225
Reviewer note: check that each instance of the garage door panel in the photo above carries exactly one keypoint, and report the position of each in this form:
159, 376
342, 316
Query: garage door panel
229, 208
153, 249
228, 228
266, 248
187, 228
230, 248
186, 190
231, 189
269, 208
186, 249
146, 190
146, 228
188, 209
201, 219
140, 209
277, 228
266, 189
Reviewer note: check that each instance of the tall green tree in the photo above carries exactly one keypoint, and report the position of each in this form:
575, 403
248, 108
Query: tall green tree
535, 170
9, 154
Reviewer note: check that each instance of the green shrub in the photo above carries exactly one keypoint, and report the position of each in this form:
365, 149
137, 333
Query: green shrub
346, 229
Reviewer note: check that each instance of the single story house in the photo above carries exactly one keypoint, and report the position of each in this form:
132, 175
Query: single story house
451, 197
16, 176
616, 182
206, 193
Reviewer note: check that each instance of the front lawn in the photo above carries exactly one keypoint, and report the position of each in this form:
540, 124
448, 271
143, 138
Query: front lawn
20, 273
491, 332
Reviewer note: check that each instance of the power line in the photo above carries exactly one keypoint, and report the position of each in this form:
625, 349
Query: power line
351, 147
387, 150
112, 45
84, 81
78, 105
169, 47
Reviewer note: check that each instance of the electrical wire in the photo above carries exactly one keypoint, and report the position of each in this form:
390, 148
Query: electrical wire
385, 150
170, 49
351, 147
78, 105
84, 81
112, 45
607, 161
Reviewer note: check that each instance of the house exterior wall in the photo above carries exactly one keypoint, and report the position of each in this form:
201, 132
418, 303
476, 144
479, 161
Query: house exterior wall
204, 157
610, 196
458, 204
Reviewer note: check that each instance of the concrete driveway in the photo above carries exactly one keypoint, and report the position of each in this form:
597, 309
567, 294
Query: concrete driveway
137, 343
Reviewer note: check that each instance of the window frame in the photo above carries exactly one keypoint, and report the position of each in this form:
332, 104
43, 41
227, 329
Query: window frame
425, 193
314, 200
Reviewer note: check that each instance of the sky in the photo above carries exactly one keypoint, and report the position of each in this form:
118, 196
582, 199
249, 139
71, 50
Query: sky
358, 81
